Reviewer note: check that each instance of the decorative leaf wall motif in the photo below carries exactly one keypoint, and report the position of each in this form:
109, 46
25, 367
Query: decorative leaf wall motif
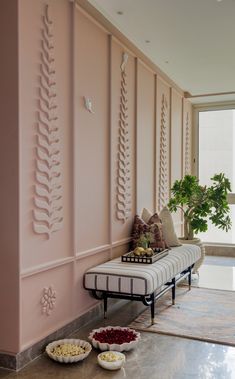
48, 300
48, 211
163, 179
187, 164
123, 163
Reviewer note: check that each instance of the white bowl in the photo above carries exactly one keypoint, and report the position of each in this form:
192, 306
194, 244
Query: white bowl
111, 365
103, 346
71, 358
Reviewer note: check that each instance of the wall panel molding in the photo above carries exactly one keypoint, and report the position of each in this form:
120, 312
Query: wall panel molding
110, 44
187, 159
90, 252
163, 112
145, 143
48, 211
176, 159
123, 188
155, 187
163, 171
121, 242
45, 267
187, 137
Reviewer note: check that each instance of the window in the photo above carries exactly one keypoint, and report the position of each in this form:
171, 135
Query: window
216, 148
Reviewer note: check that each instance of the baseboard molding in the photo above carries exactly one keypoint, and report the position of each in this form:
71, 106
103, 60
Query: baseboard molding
219, 250
18, 361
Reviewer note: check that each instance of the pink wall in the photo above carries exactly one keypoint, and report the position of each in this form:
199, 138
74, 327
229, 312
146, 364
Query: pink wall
120, 230
146, 136
9, 178
163, 105
176, 165
91, 147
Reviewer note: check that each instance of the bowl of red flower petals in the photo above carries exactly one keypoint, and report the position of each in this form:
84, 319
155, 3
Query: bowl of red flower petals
114, 338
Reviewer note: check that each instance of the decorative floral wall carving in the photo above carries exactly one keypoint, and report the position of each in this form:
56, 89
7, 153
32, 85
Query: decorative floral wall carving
48, 212
123, 170
48, 300
187, 164
163, 180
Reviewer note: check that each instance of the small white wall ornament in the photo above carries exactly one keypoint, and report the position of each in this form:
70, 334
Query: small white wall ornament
88, 104
48, 300
125, 57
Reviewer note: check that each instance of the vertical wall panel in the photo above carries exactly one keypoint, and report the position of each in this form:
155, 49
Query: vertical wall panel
121, 229
145, 138
52, 263
38, 253
9, 177
34, 322
187, 137
176, 147
37, 249
163, 143
92, 135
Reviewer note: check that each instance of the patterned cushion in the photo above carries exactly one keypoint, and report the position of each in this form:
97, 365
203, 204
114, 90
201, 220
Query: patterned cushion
153, 226
141, 279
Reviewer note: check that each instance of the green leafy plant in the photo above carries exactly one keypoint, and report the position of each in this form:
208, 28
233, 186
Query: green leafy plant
145, 239
201, 203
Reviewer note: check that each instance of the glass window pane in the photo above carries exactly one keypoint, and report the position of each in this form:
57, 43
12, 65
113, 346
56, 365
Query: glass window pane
217, 154
217, 235
217, 145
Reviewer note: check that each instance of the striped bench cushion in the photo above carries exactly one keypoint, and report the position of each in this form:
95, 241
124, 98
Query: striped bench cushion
140, 279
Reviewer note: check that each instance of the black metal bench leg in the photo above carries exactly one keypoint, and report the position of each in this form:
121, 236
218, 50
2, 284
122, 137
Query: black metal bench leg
173, 291
152, 307
105, 305
190, 278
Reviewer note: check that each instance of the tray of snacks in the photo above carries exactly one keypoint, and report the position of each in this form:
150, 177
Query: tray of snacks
115, 338
68, 350
141, 255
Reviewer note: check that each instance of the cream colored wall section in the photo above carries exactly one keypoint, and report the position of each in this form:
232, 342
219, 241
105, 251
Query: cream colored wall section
146, 129
176, 148
187, 137
163, 143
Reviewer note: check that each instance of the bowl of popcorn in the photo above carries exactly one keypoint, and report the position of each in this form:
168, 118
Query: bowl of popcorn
68, 350
111, 360
115, 338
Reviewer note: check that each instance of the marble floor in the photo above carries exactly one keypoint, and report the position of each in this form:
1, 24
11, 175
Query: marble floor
217, 273
155, 357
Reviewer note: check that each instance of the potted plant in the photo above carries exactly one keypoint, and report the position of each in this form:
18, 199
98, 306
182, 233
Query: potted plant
200, 204
145, 239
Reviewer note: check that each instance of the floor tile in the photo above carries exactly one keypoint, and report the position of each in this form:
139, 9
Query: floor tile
155, 357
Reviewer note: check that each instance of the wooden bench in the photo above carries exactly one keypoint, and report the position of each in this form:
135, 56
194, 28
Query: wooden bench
142, 282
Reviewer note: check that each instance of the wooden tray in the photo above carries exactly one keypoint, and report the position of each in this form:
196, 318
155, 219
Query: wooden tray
158, 254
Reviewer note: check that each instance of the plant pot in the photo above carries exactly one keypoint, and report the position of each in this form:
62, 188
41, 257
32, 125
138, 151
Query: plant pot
198, 242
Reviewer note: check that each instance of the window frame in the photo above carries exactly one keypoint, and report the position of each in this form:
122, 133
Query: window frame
218, 106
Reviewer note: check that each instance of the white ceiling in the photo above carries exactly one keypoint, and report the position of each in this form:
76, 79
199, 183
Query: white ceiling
192, 41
